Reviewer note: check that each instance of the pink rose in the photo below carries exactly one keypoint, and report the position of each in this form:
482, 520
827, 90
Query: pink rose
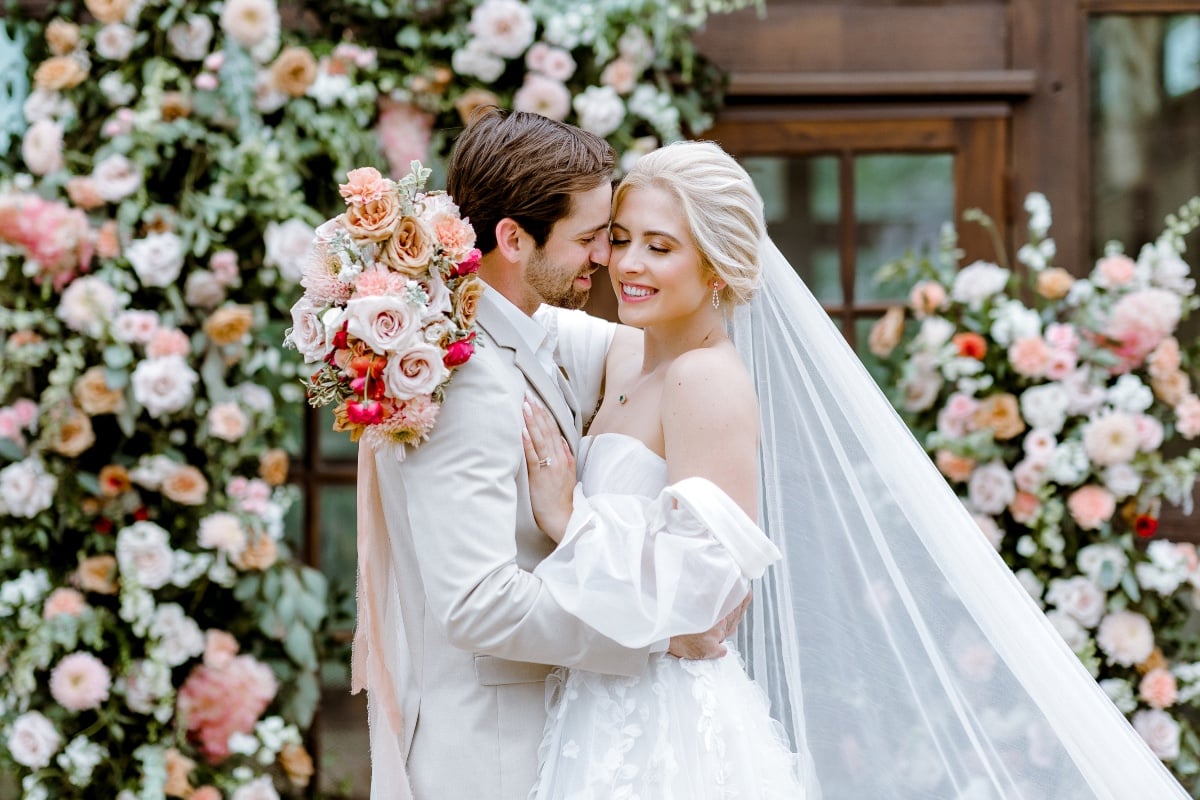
1113, 271
404, 134
468, 265
417, 371
1150, 433
1091, 506
621, 74
926, 298
1062, 336
1024, 507
219, 649
26, 411
10, 425
214, 703
227, 421
1158, 688
80, 682
1029, 356
169, 342
1061, 364
459, 352
64, 601
364, 412
1187, 417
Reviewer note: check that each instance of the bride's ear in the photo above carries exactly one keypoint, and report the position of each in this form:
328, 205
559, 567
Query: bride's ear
511, 240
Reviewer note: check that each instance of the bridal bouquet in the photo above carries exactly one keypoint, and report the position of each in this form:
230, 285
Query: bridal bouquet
1063, 411
390, 295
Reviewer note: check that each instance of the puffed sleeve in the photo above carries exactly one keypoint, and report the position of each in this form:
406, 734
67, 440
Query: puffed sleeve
640, 570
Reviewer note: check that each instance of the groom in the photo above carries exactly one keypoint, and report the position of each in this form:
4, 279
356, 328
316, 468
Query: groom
478, 632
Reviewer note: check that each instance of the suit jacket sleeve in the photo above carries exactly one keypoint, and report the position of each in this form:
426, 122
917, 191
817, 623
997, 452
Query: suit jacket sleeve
458, 497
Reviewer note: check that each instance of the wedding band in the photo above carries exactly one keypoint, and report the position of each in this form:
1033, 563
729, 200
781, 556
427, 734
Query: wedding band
545, 462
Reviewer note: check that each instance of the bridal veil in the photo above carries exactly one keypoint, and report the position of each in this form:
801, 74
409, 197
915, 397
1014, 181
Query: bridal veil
896, 646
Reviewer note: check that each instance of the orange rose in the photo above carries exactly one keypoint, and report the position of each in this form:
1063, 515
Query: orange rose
62, 36
273, 466
179, 767
108, 11
1001, 413
1054, 283
97, 574
970, 345
75, 434
294, 71
185, 485
472, 100
58, 73
953, 466
259, 554
409, 249
466, 300
297, 763
114, 480
93, 394
886, 332
229, 324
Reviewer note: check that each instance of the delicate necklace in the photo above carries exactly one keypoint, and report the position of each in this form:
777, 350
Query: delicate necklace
624, 396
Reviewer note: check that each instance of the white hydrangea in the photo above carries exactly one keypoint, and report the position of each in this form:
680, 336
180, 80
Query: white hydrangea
80, 758
157, 259
1122, 480
1130, 394
1069, 464
503, 27
26, 589
600, 109
1103, 563
1120, 692
1012, 321
1045, 407
476, 60
179, 637
977, 282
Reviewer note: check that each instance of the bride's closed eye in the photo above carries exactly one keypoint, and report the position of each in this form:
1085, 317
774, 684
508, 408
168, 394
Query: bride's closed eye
615, 242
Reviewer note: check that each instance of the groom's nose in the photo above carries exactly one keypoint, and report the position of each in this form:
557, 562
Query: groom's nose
600, 251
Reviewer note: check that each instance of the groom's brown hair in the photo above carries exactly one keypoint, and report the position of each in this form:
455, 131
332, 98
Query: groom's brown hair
525, 167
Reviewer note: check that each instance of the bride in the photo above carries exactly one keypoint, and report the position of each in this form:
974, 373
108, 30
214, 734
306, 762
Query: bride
898, 653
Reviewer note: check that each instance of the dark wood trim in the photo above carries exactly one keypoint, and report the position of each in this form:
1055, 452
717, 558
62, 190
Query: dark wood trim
903, 83
847, 240
1140, 6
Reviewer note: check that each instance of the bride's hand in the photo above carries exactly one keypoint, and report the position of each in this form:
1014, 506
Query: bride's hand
551, 469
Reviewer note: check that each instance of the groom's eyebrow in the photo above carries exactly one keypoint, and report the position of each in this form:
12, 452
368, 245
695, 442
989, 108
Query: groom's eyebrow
592, 231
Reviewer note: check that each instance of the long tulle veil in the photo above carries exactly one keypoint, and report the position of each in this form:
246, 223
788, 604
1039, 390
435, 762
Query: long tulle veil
896, 646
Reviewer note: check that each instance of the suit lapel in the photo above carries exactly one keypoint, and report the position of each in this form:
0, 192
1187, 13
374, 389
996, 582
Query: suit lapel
492, 319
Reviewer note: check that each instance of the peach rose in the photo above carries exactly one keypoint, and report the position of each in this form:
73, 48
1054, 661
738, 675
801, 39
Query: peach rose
1091, 506
1054, 283
185, 485
229, 324
1112, 271
1001, 413
273, 466
1024, 507
108, 240
58, 73
108, 11
297, 763
1164, 360
953, 466
83, 193
62, 36
179, 767
472, 100
97, 574
219, 648
93, 394
409, 249
1171, 389
373, 221
1029, 356
1158, 688
886, 332
206, 792
64, 601
259, 554
114, 480
75, 434
926, 297
457, 237
466, 301
294, 71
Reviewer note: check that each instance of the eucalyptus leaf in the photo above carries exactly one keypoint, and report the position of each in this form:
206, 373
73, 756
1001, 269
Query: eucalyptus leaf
10, 450
298, 644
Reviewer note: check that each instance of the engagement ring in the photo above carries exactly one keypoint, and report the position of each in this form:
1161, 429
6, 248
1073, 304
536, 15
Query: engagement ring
545, 462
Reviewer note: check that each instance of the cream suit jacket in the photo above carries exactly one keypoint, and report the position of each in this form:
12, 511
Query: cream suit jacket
480, 630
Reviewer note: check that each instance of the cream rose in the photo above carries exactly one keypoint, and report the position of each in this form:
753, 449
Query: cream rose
383, 323
417, 371
33, 740
164, 385
144, 554
26, 489
93, 394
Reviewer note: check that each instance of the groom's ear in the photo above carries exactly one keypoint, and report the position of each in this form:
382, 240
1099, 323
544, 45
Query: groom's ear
511, 240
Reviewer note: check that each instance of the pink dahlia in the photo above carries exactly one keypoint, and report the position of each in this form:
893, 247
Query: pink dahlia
80, 682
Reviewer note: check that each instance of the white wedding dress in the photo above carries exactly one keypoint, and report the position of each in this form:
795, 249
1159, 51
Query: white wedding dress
684, 730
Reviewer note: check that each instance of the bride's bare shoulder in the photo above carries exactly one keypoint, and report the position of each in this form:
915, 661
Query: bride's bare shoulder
710, 380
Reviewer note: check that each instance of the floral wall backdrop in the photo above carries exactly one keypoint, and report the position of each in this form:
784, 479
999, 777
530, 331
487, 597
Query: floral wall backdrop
164, 164
1063, 410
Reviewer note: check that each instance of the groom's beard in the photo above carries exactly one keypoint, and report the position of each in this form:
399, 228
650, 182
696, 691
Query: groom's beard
556, 285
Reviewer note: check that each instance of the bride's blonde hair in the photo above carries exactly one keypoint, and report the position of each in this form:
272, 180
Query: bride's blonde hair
724, 211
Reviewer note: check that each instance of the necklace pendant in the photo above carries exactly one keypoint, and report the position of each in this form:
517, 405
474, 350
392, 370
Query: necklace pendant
621, 399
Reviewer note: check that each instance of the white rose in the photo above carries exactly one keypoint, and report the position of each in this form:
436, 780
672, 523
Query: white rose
43, 104
33, 740
251, 23
180, 638
135, 326
164, 385
1130, 394
1126, 638
383, 323
203, 289
157, 259
417, 371
116, 177
1012, 322
991, 488
1070, 630
26, 489
1045, 407
1150, 433
227, 421
190, 39
476, 60
1156, 579
42, 147
1078, 597
543, 95
1103, 563
151, 471
144, 554
88, 304
1122, 480
935, 331
1111, 438
116, 90
601, 110
144, 684
990, 529
503, 27
115, 42
287, 244
258, 789
1083, 396
977, 282
307, 332
1160, 731
222, 531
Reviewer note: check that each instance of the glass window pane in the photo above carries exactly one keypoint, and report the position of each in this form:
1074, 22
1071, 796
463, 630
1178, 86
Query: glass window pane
338, 539
900, 203
800, 198
335, 444
1145, 121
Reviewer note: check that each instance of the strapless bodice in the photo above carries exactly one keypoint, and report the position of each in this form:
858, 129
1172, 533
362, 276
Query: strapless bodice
616, 463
